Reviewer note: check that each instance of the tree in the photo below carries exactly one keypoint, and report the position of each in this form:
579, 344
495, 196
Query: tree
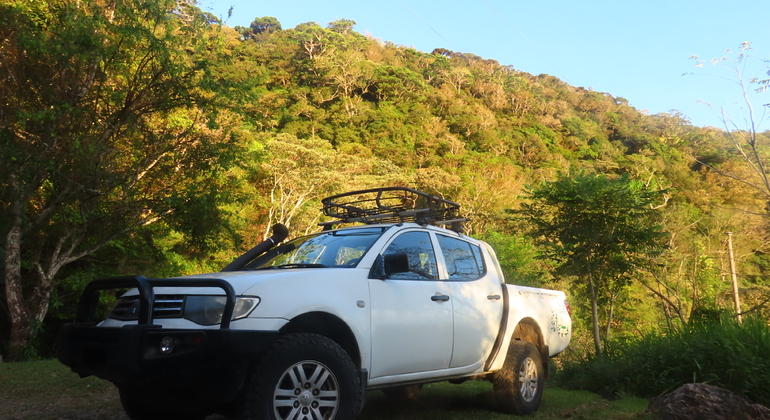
342, 26
744, 162
347, 72
598, 230
265, 24
297, 173
260, 27
105, 127
749, 144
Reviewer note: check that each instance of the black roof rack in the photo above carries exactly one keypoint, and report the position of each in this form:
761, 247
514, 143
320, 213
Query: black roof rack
391, 205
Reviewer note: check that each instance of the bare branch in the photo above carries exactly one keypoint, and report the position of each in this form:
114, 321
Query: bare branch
756, 307
735, 178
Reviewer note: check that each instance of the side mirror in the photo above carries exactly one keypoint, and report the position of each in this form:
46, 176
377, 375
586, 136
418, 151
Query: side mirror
387, 265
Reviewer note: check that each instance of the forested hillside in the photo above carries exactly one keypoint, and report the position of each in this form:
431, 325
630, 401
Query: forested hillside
162, 143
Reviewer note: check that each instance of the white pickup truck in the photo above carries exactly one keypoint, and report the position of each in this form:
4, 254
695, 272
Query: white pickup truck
303, 329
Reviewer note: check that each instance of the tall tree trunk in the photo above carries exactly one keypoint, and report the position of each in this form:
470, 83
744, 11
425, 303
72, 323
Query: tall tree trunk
595, 314
610, 315
21, 325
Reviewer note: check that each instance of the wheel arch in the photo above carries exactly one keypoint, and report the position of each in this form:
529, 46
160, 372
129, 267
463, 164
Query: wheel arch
327, 325
529, 330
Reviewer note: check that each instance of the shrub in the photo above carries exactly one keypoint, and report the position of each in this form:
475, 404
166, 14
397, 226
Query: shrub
720, 352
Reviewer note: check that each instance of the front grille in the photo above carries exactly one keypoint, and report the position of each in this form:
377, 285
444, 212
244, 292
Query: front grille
165, 306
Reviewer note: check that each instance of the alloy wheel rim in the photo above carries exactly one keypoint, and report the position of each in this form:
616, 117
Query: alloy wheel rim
306, 390
528, 379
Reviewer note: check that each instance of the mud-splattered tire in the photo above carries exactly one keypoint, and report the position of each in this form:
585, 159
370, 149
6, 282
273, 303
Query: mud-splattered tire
303, 376
518, 386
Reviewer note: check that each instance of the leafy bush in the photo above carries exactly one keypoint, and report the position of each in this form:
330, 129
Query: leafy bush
720, 352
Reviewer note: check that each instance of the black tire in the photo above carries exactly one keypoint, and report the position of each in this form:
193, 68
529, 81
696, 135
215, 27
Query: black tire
140, 406
303, 376
518, 386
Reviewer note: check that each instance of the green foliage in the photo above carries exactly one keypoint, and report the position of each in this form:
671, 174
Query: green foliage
262, 25
720, 352
598, 230
591, 223
228, 130
109, 124
518, 258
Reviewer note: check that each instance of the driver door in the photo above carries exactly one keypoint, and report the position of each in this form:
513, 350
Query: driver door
412, 326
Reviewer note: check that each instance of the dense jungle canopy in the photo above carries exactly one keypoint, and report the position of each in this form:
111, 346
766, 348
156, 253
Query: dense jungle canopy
146, 137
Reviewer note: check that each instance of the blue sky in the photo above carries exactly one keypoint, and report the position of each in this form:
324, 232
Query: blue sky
638, 50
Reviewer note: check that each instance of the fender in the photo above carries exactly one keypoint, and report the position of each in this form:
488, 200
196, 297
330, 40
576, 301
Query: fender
518, 324
501, 334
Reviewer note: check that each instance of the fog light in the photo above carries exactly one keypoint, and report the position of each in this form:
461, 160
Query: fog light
166, 345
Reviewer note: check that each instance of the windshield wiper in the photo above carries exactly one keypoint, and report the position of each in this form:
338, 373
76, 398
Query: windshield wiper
274, 267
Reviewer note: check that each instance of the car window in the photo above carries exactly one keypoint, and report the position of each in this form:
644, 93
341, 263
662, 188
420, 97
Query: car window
463, 260
422, 260
342, 248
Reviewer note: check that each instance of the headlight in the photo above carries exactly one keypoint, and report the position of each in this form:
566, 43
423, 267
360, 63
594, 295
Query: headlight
208, 310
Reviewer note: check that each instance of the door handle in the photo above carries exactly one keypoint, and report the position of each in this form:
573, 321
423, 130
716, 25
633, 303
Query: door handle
493, 297
439, 298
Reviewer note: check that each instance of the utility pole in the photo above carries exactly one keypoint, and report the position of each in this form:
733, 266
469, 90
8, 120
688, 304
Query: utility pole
736, 297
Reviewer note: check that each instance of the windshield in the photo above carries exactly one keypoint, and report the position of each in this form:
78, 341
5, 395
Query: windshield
327, 249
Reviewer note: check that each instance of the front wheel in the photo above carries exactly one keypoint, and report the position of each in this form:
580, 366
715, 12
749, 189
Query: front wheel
303, 376
518, 386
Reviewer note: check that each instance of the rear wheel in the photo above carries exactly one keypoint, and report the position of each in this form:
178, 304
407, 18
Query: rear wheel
519, 385
303, 376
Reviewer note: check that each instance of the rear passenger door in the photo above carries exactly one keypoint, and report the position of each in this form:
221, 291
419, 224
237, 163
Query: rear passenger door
477, 301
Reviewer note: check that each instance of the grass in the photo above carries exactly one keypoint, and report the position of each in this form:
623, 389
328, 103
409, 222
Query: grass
721, 352
475, 401
47, 390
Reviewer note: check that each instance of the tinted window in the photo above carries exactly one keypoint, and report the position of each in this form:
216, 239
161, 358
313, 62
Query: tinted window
422, 260
463, 259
